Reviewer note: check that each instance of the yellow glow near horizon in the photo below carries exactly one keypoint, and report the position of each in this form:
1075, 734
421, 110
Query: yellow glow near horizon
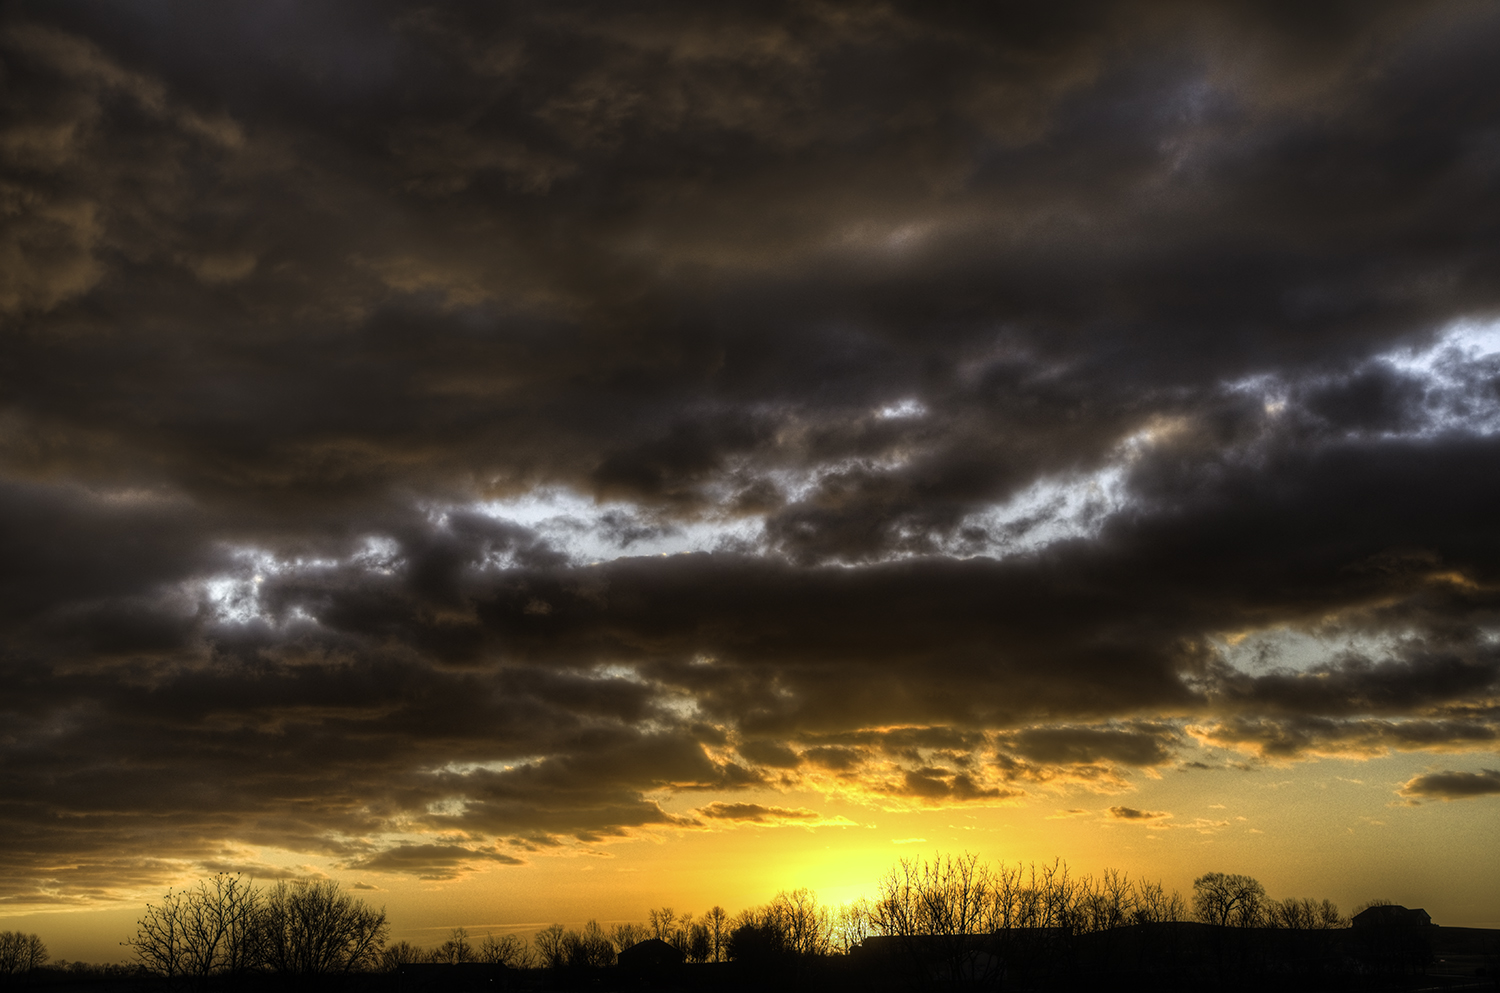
1332, 828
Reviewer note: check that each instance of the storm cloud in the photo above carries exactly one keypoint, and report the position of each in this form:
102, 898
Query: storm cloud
432, 436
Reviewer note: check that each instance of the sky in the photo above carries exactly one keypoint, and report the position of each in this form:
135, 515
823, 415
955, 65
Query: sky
542, 461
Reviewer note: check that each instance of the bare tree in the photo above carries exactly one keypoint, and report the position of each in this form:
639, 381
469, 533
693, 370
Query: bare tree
505, 949
1327, 916
20, 953
1003, 908
756, 939
161, 938
1228, 900
1108, 902
699, 946
393, 957
663, 924
1153, 905
1031, 896
314, 929
626, 935
942, 911
853, 923
551, 946
898, 912
232, 908
456, 949
807, 926
717, 922
591, 947
1304, 915
194, 934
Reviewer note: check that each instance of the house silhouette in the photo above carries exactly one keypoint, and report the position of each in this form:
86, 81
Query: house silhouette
650, 956
1390, 915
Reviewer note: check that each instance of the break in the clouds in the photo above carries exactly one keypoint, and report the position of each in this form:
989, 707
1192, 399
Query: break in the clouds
434, 437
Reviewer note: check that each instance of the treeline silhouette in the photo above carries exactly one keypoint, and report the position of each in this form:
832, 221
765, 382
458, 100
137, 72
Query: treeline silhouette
952, 922
946, 897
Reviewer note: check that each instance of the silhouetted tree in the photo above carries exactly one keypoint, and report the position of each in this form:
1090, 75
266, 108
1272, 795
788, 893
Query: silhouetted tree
941, 912
589, 948
312, 929
20, 954
1229, 900
1105, 903
853, 923
505, 949
757, 944
161, 938
717, 923
1304, 915
807, 926
456, 949
961, 920
194, 934
663, 924
551, 946
699, 947
1153, 905
393, 957
626, 935
945, 897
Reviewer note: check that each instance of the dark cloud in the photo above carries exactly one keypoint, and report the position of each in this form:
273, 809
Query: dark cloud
1137, 746
1292, 738
835, 757
252, 869
1132, 814
1451, 785
770, 753
431, 861
1036, 396
755, 813
939, 785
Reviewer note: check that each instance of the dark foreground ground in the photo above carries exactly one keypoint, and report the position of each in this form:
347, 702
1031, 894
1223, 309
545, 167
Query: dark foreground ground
1167, 957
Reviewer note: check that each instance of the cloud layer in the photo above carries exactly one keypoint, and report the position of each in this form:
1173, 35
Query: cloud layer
435, 437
